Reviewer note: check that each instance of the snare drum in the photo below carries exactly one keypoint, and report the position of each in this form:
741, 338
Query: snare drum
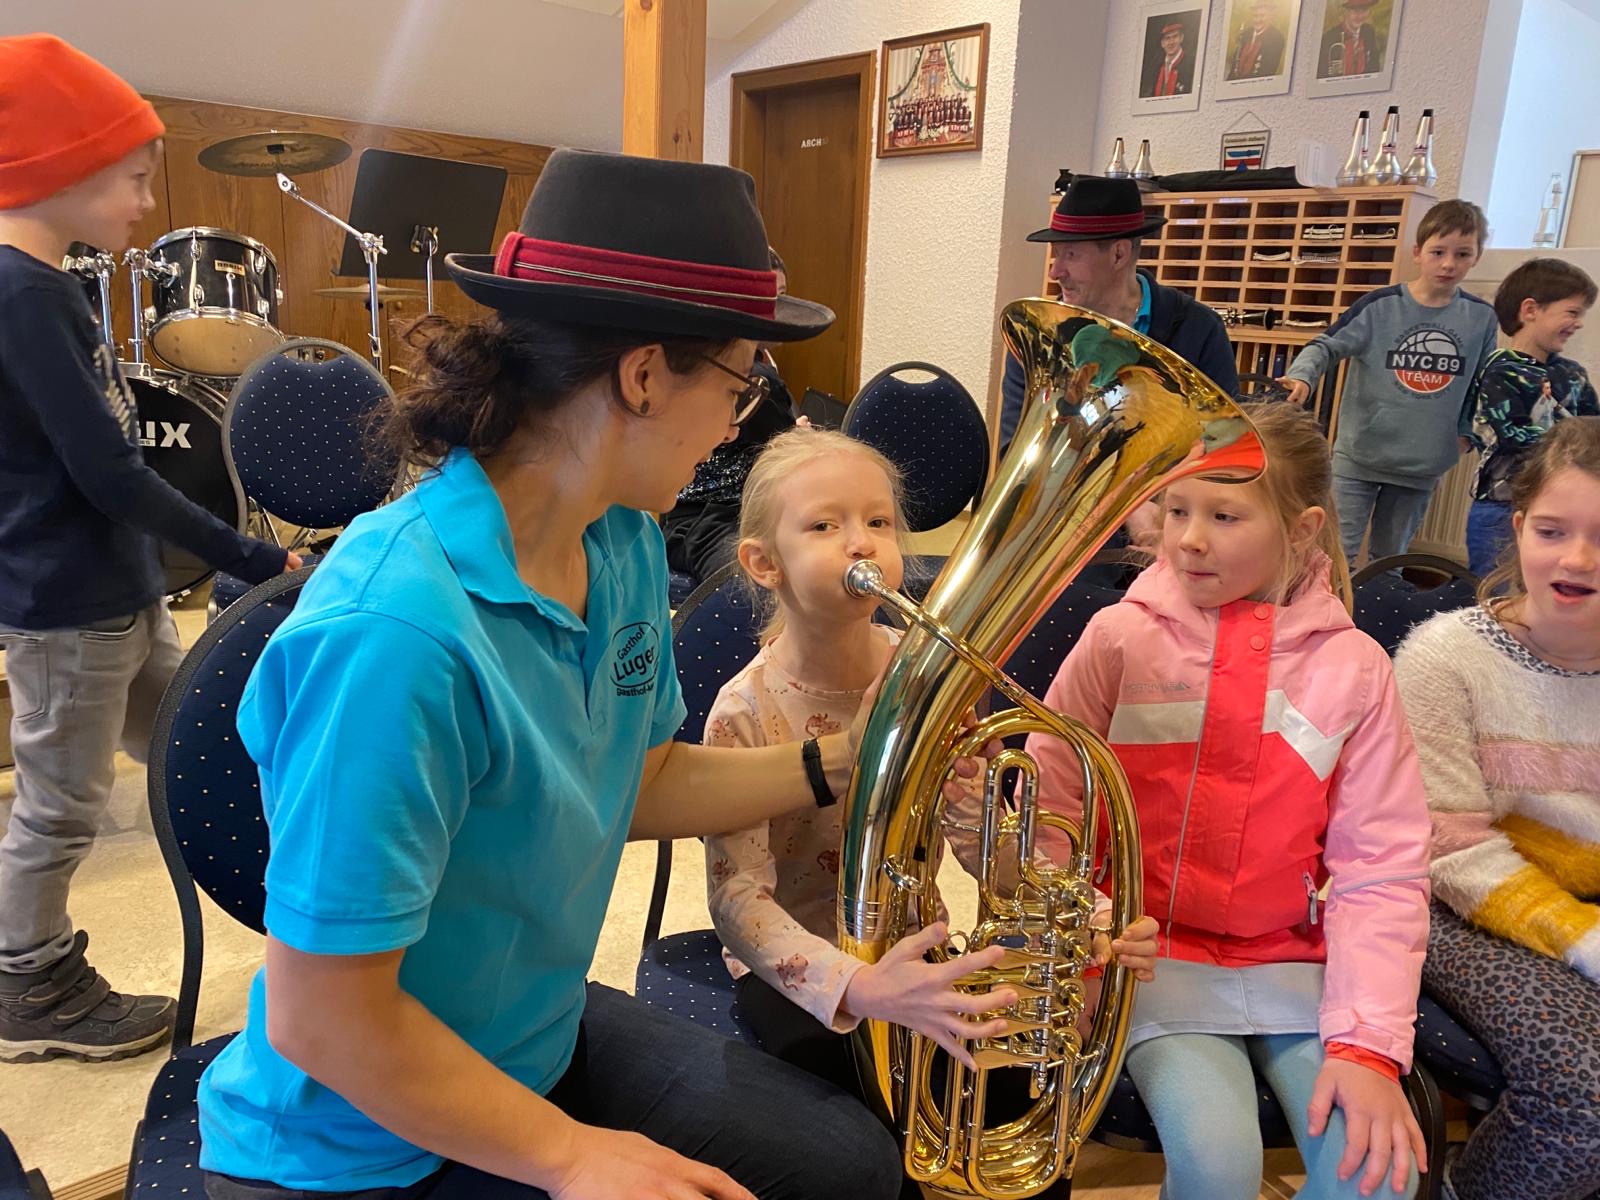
180, 430
219, 312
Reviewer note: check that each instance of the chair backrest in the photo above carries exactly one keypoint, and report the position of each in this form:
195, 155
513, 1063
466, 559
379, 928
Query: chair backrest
713, 637
297, 439
933, 431
1261, 388
1387, 605
205, 795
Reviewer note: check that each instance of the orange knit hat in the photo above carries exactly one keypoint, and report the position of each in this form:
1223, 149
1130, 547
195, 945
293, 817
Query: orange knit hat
63, 117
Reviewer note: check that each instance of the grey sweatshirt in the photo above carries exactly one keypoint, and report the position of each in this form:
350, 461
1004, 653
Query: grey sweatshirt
1405, 397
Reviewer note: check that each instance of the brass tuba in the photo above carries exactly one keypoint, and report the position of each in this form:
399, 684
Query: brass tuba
1110, 418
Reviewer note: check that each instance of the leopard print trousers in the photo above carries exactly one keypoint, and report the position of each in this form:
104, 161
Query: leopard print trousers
1541, 1021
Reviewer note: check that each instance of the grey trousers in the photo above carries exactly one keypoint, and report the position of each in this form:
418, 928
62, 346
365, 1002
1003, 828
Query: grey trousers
75, 694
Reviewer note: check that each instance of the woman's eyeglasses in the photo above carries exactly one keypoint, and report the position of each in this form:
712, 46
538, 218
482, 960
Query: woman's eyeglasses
756, 389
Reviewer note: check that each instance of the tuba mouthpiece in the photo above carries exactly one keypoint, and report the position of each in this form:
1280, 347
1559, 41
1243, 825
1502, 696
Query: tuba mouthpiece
864, 578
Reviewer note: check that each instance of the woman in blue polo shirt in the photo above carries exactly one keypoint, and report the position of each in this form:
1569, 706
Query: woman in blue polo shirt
471, 709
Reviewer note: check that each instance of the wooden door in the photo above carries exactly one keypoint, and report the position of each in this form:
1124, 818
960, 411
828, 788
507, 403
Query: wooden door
804, 133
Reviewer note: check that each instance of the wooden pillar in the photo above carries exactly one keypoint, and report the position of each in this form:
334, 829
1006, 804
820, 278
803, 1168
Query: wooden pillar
664, 78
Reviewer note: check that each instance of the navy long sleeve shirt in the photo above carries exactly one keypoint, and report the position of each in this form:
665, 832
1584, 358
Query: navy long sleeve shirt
81, 515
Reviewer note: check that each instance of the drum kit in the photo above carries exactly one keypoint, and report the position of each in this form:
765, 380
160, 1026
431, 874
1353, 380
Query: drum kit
213, 309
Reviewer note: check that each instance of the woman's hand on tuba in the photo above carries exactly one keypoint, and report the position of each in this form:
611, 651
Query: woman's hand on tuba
904, 989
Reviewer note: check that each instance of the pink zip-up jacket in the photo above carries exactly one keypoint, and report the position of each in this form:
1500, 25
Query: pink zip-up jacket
1268, 753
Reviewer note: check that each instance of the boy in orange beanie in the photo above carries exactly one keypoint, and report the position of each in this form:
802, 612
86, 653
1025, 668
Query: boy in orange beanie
90, 645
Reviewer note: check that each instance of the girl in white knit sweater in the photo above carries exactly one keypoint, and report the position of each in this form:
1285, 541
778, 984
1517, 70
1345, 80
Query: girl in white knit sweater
1504, 703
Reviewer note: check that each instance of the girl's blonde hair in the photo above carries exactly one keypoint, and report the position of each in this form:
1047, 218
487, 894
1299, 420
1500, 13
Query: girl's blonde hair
1299, 476
760, 507
1573, 442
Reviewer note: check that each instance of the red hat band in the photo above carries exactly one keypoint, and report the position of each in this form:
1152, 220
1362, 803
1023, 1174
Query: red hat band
1108, 226
734, 288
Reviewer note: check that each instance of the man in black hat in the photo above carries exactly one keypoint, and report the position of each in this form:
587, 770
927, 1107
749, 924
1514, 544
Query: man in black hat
1094, 237
1351, 46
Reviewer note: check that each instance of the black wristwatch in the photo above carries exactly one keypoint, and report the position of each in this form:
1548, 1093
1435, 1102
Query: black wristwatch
811, 755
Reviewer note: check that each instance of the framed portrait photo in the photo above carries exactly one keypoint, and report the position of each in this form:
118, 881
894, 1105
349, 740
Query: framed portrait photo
930, 92
1172, 48
1356, 41
1257, 47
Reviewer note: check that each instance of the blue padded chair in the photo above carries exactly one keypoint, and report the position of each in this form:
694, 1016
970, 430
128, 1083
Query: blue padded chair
298, 441
16, 1183
933, 431
1387, 604
713, 637
205, 804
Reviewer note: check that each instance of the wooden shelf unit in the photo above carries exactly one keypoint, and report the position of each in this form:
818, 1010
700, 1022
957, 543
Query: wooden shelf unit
1208, 244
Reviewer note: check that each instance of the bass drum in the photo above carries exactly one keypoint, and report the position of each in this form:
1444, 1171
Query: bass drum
180, 430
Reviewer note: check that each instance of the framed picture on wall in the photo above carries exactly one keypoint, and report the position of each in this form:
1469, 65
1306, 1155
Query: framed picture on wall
930, 92
1172, 46
1257, 47
1356, 47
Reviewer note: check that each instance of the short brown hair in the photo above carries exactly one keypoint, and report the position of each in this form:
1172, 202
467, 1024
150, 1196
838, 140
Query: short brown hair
1544, 281
1454, 216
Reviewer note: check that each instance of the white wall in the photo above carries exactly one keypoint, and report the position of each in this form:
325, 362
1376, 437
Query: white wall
1440, 45
1551, 110
951, 225
515, 69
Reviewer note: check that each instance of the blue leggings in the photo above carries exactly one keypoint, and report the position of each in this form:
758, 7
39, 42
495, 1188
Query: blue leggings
1200, 1089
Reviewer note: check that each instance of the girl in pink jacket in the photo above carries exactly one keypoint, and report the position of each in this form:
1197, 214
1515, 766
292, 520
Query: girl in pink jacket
1284, 828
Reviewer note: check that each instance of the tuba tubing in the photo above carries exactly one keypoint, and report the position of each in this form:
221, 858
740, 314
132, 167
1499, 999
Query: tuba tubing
1109, 418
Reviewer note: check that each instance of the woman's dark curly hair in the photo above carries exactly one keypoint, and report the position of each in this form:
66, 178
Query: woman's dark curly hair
478, 383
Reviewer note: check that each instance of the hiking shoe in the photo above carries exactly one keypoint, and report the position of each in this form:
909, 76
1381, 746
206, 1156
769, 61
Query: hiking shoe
68, 1011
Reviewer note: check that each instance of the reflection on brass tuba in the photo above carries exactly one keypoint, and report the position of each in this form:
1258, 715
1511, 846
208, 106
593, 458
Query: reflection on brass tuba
1110, 418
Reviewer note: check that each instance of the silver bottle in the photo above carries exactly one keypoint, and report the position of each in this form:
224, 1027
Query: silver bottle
1419, 169
1385, 169
1356, 166
1117, 168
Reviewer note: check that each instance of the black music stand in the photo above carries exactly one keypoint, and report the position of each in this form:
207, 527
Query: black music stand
420, 206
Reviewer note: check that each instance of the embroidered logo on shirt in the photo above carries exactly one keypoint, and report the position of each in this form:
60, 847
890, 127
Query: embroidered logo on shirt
1427, 360
634, 656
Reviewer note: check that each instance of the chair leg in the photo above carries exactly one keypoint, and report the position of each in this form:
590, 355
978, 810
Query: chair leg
1428, 1108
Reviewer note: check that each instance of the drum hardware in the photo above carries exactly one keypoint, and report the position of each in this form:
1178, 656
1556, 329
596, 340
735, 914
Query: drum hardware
140, 267
273, 153
371, 247
425, 241
97, 267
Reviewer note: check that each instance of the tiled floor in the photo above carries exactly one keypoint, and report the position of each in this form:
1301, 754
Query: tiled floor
74, 1120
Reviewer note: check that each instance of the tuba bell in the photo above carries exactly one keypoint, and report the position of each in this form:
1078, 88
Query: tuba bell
1110, 418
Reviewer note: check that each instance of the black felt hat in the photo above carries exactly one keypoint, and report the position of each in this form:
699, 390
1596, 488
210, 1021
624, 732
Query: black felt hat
643, 244
1096, 209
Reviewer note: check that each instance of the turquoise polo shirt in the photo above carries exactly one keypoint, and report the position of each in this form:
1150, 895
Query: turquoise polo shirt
449, 763
1141, 322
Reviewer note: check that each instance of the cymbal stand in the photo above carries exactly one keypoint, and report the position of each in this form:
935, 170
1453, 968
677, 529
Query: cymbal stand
371, 246
425, 241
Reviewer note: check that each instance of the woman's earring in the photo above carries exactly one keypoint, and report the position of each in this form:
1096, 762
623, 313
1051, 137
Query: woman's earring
644, 408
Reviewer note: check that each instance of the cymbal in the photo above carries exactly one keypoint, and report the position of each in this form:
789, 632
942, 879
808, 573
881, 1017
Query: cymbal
271, 152
359, 291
